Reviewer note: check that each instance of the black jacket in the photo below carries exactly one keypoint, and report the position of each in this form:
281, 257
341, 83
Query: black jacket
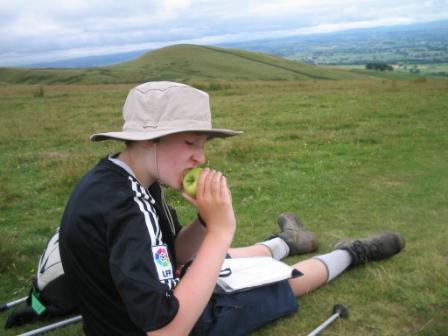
117, 250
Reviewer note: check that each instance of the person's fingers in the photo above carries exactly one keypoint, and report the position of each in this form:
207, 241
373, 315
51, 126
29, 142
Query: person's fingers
207, 183
212, 186
216, 184
208, 179
201, 182
189, 199
225, 191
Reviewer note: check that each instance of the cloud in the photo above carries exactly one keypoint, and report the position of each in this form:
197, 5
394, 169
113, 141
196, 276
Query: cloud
46, 29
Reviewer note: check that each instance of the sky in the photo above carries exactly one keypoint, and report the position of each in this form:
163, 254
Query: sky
48, 30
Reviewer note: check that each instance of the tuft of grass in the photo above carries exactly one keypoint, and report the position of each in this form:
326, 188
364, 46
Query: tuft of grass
40, 92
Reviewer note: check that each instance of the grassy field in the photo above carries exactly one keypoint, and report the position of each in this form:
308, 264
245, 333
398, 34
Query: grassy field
350, 157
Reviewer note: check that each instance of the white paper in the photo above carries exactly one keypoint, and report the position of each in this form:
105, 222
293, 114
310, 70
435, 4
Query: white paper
246, 273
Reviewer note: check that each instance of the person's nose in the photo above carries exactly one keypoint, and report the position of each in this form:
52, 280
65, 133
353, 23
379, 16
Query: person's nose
199, 157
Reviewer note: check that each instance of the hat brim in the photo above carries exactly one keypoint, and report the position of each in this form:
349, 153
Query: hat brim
154, 134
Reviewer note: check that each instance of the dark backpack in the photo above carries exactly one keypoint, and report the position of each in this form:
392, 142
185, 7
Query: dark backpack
49, 296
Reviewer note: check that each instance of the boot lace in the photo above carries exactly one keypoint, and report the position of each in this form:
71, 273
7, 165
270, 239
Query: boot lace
366, 252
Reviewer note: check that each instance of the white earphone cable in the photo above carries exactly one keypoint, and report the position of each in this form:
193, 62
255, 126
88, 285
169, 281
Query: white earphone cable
162, 193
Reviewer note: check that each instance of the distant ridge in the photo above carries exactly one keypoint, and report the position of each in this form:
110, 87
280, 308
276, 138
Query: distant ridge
90, 61
181, 62
424, 43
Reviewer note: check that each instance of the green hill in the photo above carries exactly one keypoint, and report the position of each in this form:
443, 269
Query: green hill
180, 62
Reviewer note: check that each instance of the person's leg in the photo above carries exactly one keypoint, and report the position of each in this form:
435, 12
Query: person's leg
257, 250
314, 271
314, 275
349, 253
319, 270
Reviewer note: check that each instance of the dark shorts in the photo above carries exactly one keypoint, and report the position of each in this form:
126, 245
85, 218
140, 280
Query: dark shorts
240, 313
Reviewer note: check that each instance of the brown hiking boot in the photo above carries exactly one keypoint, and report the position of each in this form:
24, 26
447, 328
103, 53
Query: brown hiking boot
377, 247
295, 235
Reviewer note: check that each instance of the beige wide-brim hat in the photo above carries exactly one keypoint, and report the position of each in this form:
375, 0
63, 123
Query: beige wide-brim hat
155, 109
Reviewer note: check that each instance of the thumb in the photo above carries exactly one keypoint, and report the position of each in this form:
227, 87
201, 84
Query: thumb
189, 199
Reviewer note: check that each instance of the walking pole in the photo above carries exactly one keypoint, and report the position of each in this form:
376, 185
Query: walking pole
339, 311
53, 326
8, 305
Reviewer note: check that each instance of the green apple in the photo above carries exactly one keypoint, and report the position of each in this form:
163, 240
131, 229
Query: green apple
190, 181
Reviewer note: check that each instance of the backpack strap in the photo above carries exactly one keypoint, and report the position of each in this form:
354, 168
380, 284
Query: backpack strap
36, 304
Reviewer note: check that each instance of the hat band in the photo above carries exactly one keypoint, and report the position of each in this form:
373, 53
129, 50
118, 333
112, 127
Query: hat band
167, 125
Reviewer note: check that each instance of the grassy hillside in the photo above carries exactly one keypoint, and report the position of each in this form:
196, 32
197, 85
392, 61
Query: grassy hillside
351, 157
203, 62
182, 63
57, 76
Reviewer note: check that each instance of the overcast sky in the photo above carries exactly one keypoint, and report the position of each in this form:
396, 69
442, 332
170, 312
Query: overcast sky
45, 30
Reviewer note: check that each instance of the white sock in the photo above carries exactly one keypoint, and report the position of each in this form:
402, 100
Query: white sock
278, 247
336, 262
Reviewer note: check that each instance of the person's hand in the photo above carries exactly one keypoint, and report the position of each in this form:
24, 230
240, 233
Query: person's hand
214, 202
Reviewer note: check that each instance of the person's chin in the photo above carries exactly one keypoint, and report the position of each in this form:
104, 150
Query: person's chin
174, 186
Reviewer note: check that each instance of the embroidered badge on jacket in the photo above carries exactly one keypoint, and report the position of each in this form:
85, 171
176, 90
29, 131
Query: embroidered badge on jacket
162, 262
